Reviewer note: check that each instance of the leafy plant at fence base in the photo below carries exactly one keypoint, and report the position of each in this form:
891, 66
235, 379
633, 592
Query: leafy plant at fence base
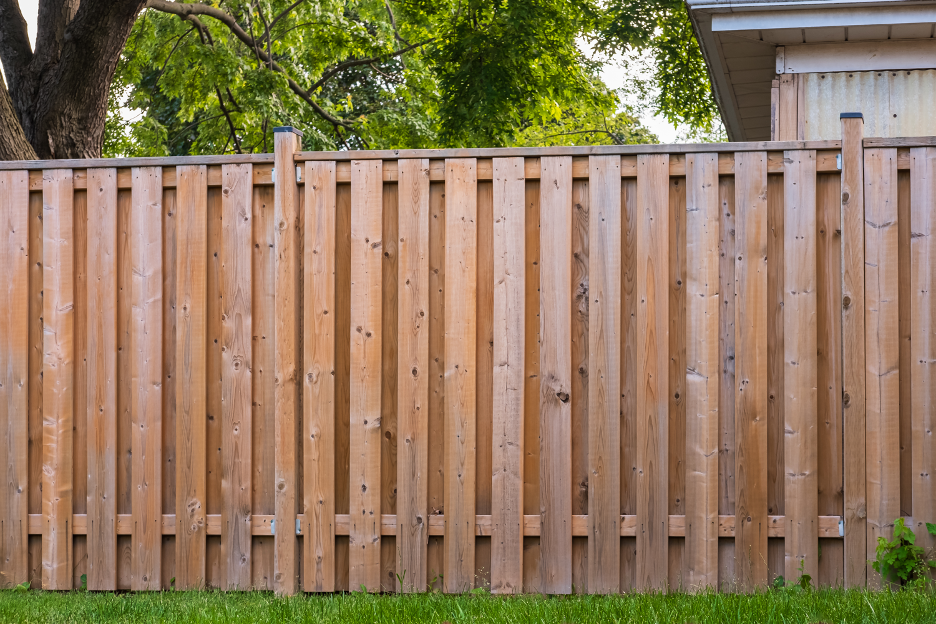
900, 559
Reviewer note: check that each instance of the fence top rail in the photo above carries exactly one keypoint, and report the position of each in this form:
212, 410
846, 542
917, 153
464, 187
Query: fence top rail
161, 161
529, 152
900, 142
583, 150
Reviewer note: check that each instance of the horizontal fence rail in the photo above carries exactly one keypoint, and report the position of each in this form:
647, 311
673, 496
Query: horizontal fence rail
552, 370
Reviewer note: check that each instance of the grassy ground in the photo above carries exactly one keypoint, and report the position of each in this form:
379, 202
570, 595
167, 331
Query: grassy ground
781, 607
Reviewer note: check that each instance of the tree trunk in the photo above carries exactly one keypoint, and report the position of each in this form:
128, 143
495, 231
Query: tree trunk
13, 143
59, 92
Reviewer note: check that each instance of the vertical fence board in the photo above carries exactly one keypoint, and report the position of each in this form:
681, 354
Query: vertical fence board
676, 426
776, 549
726, 374
604, 366
342, 376
413, 373
829, 334
507, 452
702, 406
580, 209
653, 355
191, 214
286, 362
237, 364
80, 381
484, 368
905, 303
461, 265
101, 407
630, 374
366, 350
531, 391
853, 351
58, 369
436, 427
882, 347
800, 401
146, 371
14, 378
555, 375
388, 382
214, 573
923, 310
318, 401
751, 369
168, 463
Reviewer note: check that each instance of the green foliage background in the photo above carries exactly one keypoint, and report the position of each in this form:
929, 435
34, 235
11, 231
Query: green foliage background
476, 73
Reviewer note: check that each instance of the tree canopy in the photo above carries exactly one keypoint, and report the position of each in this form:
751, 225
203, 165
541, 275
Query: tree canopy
216, 78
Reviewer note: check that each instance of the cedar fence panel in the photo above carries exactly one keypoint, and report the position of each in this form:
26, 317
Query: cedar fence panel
536, 370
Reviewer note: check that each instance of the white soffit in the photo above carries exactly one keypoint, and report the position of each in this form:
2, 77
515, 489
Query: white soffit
823, 18
857, 56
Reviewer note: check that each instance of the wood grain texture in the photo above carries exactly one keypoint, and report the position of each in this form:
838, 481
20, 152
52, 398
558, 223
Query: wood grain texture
775, 365
676, 426
484, 367
853, 352
413, 374
146, 371
531, 387
191, 212
555, 375
702, 406
580, 209
652, 400
388, 381
751, 370
726, 351
366, 349
236, 372
58, 369
14, 378
604, 366
904, 324
800, 346
436, 436
787, 118
630, 374
509, 347
829, 383
101, 407
923, 333
286, 362
342, 376
882, 389
214, 570
461, 265
318, 401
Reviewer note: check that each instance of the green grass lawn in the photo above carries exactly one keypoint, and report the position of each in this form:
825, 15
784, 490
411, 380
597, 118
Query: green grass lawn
781, 607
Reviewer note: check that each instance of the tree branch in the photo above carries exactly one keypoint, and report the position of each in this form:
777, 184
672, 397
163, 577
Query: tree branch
285, 12
613, 136
367, 61
15, 51
224, 111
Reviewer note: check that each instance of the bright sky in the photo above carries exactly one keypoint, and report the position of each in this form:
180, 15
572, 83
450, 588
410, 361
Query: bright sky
613, 75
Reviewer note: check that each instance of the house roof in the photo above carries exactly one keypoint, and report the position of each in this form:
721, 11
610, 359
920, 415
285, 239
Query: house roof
739, 40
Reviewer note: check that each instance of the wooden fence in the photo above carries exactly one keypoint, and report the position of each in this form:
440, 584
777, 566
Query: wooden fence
539, 370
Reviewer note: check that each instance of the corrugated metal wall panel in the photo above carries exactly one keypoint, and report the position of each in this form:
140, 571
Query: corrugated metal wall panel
894, 103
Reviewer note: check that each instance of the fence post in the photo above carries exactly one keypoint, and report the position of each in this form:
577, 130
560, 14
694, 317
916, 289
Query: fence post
853, 348
286, 348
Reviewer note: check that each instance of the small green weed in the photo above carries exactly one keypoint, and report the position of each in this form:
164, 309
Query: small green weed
901, 559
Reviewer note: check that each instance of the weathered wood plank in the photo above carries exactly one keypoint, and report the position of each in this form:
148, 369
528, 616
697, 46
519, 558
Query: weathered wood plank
882, 381
652, 402
509, 311
436, 439
191, 213
461, 266
146, 370
702, 406
388, 381
318, 401
556, 374
236, 372
531, 386
776, 552
286, 363
751, 370
923, 338
631, 374
604, 366
58, 377
853, 351
101, 408
413, 374
484, 365
580, 472
366, 349
800, 375
14, 378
